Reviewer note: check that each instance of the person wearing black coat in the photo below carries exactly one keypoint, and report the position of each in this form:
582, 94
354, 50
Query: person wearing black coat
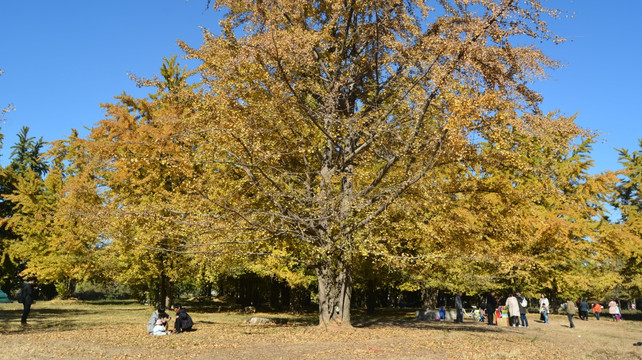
584, 309
28, 298
459, 306
491, 306
522, 308
183, 321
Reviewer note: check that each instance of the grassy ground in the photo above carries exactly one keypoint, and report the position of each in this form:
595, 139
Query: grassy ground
116, 330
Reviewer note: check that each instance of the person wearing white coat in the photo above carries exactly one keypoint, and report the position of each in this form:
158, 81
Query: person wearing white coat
513, 310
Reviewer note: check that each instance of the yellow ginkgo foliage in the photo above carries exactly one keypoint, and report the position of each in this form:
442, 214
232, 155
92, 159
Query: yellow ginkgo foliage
338, 136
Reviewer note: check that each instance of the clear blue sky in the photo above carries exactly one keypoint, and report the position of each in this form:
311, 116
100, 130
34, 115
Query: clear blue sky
63, 58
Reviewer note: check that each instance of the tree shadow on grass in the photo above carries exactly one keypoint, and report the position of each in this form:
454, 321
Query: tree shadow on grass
112, 302
41, 320
291, 322
411, 323
633, 316
59, 326
281, 318
399, 318
42, 313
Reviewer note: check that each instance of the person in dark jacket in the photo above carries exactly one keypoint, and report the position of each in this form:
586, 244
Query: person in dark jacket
459, 306
523, 303
584, 309
491, 306
183, 321
28, 296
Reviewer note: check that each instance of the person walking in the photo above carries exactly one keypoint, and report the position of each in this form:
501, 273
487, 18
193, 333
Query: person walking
28, 297
543, 308
613, 310
570, 311
459, 306
491, 306
584, 309
597, 310
523, 307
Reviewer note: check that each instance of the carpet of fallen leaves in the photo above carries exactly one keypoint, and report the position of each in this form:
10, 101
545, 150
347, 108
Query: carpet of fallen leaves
74, 330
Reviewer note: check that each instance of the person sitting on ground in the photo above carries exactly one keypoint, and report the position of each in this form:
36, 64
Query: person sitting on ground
183, 321
160, 329
159, 314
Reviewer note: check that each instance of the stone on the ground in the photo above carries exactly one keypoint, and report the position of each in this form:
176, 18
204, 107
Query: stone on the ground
264, 321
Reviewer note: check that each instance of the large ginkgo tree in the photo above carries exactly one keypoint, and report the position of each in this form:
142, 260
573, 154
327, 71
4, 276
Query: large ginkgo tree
325, 137
316, 117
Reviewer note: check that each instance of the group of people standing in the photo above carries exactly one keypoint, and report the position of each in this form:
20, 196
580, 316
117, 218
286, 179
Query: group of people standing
516, 304
517, 308
614, 311
583, 306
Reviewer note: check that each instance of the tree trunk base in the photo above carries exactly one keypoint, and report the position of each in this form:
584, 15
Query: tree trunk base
334, 326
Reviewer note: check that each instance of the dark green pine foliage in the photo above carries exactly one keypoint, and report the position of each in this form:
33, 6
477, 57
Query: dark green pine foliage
26, 156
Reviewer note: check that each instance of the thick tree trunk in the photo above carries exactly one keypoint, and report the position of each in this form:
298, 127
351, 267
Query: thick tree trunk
162, 290
275, 293
285, 296
335, 273
335, 292
371, 297
165, 291
169, 298
206, 289
429, 297
553, 300
299, 299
